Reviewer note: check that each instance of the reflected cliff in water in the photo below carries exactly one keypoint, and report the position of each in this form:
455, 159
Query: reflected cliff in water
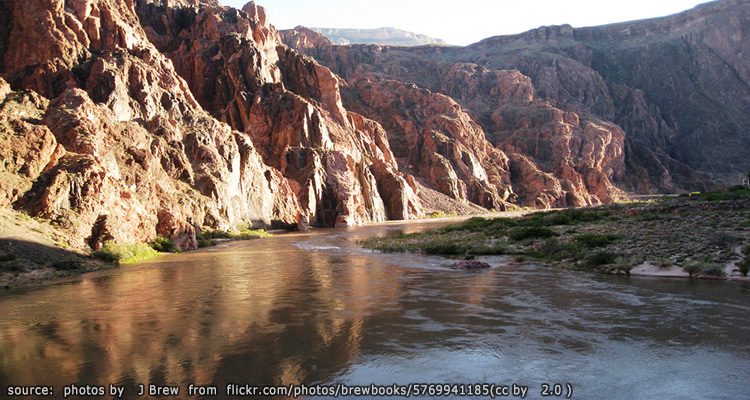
237, 316
317, 308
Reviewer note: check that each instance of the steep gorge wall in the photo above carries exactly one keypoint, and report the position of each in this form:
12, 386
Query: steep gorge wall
677, 87
236, 65
552, 157
103, 137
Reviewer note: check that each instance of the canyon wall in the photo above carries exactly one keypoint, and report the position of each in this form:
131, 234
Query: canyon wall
126, 120
116, 129
677, 87
546, 156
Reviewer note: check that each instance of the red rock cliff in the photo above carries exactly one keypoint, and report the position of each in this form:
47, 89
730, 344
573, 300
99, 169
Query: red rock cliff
123, 120
551, 157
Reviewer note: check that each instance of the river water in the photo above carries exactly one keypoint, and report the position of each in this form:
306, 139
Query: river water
317, 309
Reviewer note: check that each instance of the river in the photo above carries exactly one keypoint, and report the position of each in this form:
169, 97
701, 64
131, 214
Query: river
315, 308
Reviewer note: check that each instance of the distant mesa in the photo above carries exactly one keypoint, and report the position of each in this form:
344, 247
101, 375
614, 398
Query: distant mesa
383, 36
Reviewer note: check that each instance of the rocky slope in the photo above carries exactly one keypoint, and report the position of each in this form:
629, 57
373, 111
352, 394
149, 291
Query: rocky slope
550, 157
677, 88
290, 106
107, 137
385, 36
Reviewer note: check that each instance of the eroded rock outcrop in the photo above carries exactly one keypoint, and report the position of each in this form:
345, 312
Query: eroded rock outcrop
103, 111
547, 160
290, 105
122, 143
676, 86
435, 140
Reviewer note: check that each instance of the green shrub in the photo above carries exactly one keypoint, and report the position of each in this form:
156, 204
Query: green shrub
444, 248
441, 214
600, 258
249, 234
202, 243
704, 268
648, 216
592, 240
479, 224
734, 193
530, 232
246, 234
554, 250
164, 245
125, 253
623, 265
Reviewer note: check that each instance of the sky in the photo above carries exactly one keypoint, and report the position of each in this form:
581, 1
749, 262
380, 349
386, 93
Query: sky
460, 22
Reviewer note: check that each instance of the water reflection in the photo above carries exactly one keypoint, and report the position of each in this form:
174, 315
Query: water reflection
317, 309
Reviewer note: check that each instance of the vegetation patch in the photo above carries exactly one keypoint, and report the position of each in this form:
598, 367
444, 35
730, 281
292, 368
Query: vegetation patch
7, 257
704, 268
125, 253
734, 193
211, 238
613, 238
442, 214
592, 240
530, 232
600, 258
164, 245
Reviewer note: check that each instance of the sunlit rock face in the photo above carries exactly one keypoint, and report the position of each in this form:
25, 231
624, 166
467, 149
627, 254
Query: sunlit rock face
127, 119
121, 149
677, 87
530, 151
238, 69
105, 138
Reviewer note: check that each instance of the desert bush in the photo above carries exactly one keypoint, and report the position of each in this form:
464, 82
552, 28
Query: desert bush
246, 234
733, 193
592, 240
704, 268
600, 258
125, 253
164, 245
530, 232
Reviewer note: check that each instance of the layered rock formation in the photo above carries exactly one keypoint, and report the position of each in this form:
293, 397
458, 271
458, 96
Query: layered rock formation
122, 151
676, 86
434, 139
238, 69
127, 119
105, 138
549, 157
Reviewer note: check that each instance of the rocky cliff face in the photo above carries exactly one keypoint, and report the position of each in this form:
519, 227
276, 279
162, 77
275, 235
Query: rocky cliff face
677, 87
549, 157
120, 149
104, 137
127, 119
435, 140
238, 69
